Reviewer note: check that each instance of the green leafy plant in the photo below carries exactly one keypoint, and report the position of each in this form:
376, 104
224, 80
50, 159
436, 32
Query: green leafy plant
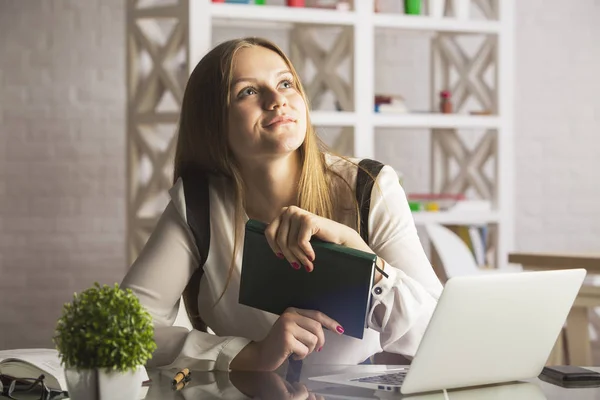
104, 327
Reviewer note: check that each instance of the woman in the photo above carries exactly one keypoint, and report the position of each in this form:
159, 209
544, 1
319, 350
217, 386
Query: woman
245, 122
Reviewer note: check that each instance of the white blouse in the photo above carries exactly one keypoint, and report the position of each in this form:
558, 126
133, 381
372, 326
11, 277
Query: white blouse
403, 302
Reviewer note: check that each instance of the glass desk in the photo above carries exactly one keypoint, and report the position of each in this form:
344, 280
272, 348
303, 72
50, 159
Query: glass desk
276, 386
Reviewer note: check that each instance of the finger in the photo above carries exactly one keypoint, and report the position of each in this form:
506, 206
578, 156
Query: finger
289, 387
314, 327
271, 233
300, 391
295, 226
282, 239
305, 232
299, 349
307, 339
323, 319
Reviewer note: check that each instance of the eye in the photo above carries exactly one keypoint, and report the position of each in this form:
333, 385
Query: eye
247, 91
286, 84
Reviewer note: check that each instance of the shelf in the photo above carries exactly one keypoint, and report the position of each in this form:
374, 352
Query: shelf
435, 121
333, 118
336, 118
281, 14
424, 23
455, 217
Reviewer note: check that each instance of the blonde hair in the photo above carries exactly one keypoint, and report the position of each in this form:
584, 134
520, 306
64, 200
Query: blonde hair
202, 140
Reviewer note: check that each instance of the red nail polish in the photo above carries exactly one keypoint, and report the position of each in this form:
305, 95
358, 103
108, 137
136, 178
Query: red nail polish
339, 329
306, 268
295, 265
320, 348
280, 255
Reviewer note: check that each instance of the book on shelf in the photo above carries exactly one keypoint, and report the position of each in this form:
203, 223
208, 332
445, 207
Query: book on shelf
474, 237
31, 363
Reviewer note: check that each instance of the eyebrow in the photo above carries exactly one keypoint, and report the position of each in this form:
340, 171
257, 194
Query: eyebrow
280, 73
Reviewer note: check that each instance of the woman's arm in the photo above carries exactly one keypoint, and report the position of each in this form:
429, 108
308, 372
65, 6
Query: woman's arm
404, 301
158, 278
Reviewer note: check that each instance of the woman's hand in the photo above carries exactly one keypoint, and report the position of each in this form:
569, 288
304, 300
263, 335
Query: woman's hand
296, 331
289, 236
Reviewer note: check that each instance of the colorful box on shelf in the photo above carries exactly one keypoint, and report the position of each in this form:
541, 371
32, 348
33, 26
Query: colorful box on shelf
342, 5
433, 201
254, 2
390, 104
289, 3
409, 7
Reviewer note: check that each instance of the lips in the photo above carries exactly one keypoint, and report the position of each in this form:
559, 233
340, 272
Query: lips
280, 119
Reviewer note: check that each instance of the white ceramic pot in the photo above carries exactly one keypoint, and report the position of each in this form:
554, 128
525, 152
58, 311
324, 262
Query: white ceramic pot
92, 384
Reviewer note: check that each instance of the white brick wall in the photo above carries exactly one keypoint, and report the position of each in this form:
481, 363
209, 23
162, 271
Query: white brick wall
62, 171
557, 122
62, 160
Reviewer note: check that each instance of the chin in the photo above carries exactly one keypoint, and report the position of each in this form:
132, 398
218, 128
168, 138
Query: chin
290, 140
293, 148
296, 142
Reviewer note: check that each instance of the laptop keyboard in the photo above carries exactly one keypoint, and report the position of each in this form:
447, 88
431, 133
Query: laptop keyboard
387, 379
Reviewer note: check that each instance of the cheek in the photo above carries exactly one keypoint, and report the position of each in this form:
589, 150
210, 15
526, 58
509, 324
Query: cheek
241, 128
299, 103
300, 107
241, 123
238, 116
302, 126
236, 128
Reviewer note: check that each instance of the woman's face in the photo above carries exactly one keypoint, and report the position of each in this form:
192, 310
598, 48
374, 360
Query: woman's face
267, 114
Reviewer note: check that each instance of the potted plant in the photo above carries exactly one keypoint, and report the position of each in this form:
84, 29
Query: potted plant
103, 337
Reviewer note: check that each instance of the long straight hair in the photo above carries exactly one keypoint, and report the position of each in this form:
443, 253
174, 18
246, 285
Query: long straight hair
202, 137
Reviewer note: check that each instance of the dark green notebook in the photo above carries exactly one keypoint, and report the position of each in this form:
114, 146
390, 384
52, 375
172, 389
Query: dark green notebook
339, 286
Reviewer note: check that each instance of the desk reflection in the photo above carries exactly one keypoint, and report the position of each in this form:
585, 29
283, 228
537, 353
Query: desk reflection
274, 386
241, 385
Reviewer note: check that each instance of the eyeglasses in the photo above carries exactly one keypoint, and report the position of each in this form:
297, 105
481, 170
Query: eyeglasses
28, 389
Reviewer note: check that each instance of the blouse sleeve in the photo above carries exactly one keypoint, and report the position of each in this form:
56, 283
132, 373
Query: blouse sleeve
158, 277
403, 303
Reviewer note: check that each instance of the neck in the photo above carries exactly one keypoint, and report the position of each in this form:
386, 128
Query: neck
270, 186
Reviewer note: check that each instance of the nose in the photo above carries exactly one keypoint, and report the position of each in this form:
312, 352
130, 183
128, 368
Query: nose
274, 100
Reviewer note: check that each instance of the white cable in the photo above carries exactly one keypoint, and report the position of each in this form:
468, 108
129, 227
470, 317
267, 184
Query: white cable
446, 397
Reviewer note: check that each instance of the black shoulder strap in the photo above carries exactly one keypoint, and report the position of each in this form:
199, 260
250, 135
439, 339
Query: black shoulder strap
195, 188
364, 186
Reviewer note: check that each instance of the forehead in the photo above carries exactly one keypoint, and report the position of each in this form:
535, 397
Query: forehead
256, 61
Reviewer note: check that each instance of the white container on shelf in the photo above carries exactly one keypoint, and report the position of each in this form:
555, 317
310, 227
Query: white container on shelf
461, 9
436, 8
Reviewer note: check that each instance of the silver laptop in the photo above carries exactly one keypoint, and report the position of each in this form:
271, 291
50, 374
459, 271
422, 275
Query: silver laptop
486, 329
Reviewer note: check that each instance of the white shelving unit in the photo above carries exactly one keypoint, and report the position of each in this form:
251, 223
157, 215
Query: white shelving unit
333, 118
197, 18
425, 23
235, 13
456, 217
434, 121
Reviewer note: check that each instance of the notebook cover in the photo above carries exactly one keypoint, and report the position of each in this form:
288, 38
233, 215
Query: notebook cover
339, 286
